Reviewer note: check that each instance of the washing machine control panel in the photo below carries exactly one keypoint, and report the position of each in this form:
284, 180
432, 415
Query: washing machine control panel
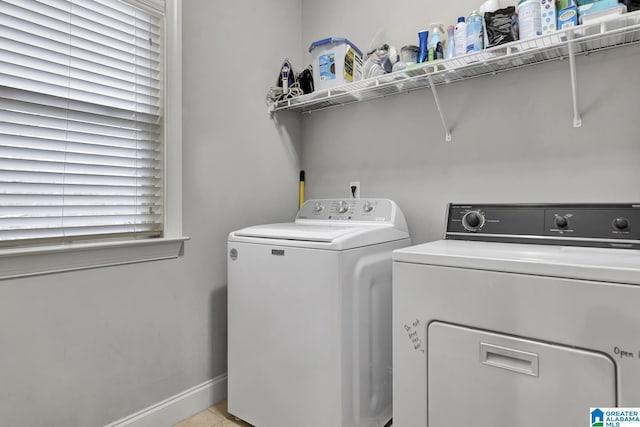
600, 225
378, 210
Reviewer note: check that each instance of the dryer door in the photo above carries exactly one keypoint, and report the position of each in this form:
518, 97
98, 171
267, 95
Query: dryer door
483, 379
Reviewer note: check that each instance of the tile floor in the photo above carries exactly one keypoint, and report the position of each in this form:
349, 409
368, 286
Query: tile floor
216, 416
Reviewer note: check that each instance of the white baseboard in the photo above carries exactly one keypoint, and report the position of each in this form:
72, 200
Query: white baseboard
178, 407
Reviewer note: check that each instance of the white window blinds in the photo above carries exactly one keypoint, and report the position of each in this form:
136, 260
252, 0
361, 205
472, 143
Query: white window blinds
81, 115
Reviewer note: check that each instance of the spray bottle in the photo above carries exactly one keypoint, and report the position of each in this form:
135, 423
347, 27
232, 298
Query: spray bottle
435, 44
451, 50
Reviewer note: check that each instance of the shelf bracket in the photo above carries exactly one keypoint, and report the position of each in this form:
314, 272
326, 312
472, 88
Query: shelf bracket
577, 120
447, 131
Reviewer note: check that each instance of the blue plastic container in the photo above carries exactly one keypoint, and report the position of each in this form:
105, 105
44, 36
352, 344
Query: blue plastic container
423, 48
475, 35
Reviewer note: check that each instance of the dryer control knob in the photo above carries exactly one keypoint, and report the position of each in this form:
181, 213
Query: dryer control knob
368, 207
343, 207
562, 221
473, 221
621, 223
318, 207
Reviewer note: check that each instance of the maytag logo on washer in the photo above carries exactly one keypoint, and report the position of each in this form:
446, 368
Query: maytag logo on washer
277, 252
615, 417
233, 254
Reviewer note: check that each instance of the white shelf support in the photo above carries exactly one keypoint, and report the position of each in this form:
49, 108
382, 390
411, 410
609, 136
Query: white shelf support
577, 120
447, 130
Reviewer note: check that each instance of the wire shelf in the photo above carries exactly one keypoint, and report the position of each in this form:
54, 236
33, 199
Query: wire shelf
584, 39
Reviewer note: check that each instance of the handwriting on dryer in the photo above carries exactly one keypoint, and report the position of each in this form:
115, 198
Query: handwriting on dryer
412, 332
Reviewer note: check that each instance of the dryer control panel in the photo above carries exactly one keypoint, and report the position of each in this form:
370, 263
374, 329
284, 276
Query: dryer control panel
596, 225
377, 210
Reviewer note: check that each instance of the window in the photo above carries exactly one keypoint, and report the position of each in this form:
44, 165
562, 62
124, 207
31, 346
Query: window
81, 120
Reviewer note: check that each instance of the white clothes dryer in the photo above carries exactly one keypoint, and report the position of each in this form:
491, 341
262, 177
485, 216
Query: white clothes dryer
309, 316
524, 315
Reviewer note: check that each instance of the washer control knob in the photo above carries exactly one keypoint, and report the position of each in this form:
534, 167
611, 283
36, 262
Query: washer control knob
343, 206
562, 221
368, 207
621, 223
318, 207
473, 221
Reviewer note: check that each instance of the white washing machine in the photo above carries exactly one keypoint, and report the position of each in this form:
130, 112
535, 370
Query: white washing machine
309, 316
523, 316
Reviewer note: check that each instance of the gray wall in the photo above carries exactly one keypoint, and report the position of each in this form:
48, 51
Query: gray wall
240, 167
513, 139
87, 348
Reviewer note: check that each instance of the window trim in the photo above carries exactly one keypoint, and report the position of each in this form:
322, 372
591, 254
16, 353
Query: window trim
34, 261
37, 260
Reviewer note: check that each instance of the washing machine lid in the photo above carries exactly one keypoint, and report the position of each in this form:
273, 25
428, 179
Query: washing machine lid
292, 231
598, 264
330, 237
334, 224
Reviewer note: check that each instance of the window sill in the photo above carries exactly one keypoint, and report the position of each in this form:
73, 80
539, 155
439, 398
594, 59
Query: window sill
35, 261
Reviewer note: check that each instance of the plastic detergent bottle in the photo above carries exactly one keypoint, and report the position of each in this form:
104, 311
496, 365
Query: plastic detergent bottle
460, 36
435, 44
475, 35
529, 19
423, 48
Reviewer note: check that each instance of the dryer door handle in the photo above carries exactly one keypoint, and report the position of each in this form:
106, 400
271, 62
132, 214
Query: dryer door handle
509, 358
